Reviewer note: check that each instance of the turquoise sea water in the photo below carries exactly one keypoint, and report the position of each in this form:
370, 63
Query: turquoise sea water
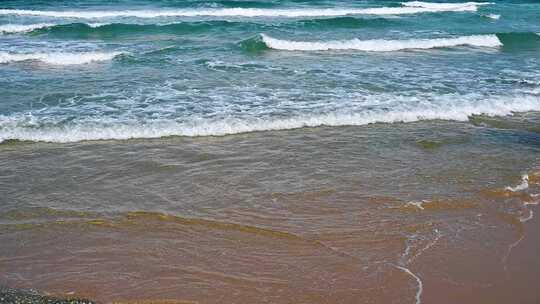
86, 70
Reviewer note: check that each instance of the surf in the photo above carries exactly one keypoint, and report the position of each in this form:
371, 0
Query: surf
58, 58
406, 8
381, 45
24, 127
22, 28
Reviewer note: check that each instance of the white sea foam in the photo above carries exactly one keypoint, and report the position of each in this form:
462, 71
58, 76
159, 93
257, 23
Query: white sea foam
406, 253
438, 236
449, 6
527, 218
417, 204
407, 259
95, 25
25, 28
60, 58
493, 16
381, 45
46, 128
535, 91
247, 12
522, 186
509, 251
22, 28
418, 296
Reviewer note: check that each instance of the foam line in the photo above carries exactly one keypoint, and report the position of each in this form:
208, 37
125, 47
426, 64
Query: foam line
22, 28
522, 186
22, 126
418, 281
381, 45
527, 218
407, 8
429, 245
449, 6
58, 58
417, 204
509, 251
493, 16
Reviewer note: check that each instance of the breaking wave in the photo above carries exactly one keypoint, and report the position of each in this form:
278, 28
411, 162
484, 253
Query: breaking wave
381, 45
407, 8
26, 28
22, 28
26, 127
449, 6
58, 58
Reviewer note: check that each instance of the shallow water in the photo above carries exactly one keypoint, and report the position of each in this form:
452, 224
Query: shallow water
305, 216
270, 152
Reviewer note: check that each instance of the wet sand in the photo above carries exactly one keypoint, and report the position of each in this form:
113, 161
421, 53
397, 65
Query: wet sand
514, 282
433, 269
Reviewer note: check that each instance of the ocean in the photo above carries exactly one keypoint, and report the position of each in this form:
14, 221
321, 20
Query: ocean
278, 151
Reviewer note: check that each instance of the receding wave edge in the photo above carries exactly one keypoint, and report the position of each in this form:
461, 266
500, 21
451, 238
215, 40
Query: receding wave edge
15, 127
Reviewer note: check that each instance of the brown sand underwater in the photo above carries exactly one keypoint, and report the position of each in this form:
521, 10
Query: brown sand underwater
434, 212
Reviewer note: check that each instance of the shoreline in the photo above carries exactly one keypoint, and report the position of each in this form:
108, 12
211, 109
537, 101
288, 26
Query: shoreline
522, 263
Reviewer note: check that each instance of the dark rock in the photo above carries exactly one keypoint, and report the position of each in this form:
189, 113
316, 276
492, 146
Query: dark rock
25, 296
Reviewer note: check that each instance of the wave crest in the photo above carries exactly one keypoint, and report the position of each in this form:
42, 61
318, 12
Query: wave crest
59, 58
407, 8
449, 6
381, 45
22, 28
